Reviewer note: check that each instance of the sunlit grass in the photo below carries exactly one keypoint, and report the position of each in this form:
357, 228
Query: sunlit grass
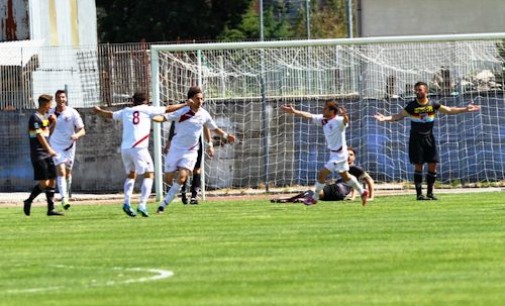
395, 251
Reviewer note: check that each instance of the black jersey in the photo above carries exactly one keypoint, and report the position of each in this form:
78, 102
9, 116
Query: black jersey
38, 124
339, 190
358, 172
422, 117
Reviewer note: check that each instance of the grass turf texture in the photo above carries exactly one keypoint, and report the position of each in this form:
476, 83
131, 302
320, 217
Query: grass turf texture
395, 251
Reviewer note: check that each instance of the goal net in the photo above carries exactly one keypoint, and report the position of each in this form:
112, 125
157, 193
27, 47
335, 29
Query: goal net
245, 84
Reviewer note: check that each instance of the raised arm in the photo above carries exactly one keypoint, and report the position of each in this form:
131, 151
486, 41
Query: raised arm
229, 137
288, 108
175, 107
342, 111
398, 116
458, 110
159, 118
102, 113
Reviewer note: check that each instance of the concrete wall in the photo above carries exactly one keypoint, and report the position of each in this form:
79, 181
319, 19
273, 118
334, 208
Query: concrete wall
296, 147
98, 167
408, 17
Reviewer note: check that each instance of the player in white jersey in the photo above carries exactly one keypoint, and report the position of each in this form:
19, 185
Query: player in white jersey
182, 155
334, 121
134, 147
67, 130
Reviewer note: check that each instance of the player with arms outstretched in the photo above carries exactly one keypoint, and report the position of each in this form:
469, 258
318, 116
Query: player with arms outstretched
182, 155
422, 144
134, 147
334, 121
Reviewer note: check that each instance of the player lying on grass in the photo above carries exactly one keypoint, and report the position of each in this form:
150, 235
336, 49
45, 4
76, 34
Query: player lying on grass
334, 121
339, 190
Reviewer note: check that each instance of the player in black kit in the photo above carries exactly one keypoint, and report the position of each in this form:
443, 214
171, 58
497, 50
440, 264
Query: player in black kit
41, 154
422, 145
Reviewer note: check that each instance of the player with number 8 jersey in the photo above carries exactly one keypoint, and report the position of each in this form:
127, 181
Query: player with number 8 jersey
136, 158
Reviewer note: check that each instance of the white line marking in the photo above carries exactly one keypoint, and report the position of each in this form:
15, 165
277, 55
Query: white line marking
158, 275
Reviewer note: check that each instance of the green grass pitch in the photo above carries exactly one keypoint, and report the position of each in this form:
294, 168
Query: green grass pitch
395, 251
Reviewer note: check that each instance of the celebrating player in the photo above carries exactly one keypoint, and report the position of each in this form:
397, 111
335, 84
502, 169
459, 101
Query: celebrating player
182, 155
422, 146
134, 147
340, 190
334, 121
196, 181
68, 128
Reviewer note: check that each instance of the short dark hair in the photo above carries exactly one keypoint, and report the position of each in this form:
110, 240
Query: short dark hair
349, 148
59, 91
332, 105
139, 98
43, 99
193, 91
420, 84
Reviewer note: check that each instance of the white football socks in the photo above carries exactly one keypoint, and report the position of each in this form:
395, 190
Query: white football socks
128, 190
171, 194
145, 192
353, 182
62, 187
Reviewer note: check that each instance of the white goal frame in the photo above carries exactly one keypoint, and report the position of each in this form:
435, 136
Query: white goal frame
156, 49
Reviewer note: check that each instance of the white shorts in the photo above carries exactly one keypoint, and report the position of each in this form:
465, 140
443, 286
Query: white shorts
337, 162
138, 160
64, 156
180, 158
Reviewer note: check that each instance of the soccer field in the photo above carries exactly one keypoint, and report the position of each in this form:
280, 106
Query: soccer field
395, 251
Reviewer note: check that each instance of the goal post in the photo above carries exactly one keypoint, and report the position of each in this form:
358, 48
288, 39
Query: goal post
366, 75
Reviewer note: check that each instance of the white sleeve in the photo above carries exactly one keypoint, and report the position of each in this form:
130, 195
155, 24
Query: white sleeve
117, 115
177, 114
157, 110
210, 124
78, 123
340, 121
317, 119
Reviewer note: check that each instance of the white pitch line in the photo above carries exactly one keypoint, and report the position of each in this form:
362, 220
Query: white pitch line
158, 275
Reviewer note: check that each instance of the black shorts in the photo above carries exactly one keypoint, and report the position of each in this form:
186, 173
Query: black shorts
422, 149
198, 164
44, 169
334, 192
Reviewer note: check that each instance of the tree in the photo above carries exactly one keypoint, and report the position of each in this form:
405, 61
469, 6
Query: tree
327, 20
122, 21
275, 25
159, 20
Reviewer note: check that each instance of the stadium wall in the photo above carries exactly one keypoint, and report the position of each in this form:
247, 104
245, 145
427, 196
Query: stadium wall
98, 167
471, 147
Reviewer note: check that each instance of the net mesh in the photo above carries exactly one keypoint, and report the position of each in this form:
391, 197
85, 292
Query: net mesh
244, 88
